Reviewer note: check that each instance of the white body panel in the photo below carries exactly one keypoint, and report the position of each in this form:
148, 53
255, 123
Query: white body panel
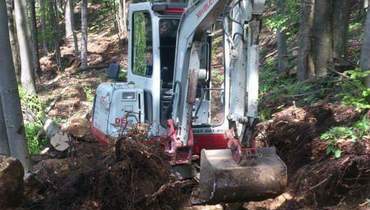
117, 106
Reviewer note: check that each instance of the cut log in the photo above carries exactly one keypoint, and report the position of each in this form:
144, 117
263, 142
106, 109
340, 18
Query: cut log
60, 142
78, 125
58, 139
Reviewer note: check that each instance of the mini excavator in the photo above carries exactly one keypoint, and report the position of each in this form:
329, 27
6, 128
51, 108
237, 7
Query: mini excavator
201, 110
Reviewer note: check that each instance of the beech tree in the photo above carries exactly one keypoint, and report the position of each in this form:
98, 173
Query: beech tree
42, 4
13, 38
121, 17
10, 107
54, 18
322, 36
70, 24
25, 49
305, 67
68, 18
365, 50
281, 41
84, 35
33, 30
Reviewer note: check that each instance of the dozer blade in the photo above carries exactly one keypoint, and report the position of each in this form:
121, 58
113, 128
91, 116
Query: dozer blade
255, 178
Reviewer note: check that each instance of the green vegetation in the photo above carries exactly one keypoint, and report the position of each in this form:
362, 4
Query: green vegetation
283, 22
33, 106
354, 92
35, 141
90, 94
140, 43
347, 88
278, 89
337, 134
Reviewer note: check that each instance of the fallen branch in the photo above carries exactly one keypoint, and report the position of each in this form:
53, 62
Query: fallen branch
317, 185
96, 67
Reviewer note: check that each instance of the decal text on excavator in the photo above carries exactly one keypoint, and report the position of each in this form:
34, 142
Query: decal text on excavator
205, 7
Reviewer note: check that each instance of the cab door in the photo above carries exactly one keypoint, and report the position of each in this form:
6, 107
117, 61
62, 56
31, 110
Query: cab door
144, 62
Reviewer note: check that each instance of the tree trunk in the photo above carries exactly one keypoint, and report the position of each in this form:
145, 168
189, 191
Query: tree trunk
84, 28
13, 39
305, 67
68, 17
25, 48
323, 36
341, 15
43, 26
54, 18
4, 144
12, 114
282, 47
121, 18
35, 47
365, 50
70, 24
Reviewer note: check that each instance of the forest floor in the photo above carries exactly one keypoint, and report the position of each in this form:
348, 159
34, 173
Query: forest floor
132, 175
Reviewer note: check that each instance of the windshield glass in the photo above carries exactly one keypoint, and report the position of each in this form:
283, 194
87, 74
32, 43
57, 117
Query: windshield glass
168, 34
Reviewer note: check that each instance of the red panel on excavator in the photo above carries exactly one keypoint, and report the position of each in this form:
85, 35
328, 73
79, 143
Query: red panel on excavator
208, 141
175, 10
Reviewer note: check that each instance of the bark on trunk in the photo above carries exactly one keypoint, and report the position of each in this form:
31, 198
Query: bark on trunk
12, 114
282, 42
68, 17
54, 18
322, 31
35, 47
341, 15
70, 24
43, 26
13, 39
25, 47
4, 144
365, 50
305, 67
121, 18
84, 34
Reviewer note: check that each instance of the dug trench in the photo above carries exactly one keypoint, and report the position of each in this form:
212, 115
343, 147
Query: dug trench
132, 175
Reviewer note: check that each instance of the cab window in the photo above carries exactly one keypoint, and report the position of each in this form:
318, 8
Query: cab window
142, 44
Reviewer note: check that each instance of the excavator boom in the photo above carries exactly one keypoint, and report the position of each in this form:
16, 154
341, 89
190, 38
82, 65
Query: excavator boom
240, 172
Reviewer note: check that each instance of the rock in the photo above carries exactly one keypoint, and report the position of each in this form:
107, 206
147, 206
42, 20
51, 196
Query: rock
11, 182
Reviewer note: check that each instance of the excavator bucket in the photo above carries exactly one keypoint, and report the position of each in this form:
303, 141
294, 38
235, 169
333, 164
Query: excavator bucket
255, 178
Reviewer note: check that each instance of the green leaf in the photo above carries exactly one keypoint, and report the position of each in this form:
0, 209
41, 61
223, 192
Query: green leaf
337, 153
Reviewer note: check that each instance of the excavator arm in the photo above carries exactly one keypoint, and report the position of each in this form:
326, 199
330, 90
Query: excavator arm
240, 172
199, 16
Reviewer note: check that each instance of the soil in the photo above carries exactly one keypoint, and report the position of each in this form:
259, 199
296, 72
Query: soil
127, 175
316, 179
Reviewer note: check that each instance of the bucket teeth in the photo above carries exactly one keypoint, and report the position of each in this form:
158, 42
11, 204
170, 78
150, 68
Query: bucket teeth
256, 178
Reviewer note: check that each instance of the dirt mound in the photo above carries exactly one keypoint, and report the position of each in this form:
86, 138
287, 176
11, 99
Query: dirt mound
127, 175
294, 131
316, 179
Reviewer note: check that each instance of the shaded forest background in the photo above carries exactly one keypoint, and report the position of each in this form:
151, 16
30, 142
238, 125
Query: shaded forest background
315, 79
312, 51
